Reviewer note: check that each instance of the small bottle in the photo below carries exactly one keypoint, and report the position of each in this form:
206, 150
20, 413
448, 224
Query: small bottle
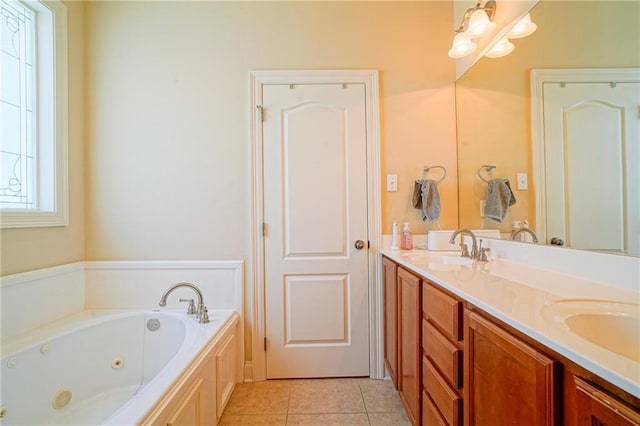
406, 242
526, 237
515, 225
394, 236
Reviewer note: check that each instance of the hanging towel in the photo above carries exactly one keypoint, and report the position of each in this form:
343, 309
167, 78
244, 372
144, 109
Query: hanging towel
427, 199
499, 199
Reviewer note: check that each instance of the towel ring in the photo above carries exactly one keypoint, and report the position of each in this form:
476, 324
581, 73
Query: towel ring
486, 167
427, 168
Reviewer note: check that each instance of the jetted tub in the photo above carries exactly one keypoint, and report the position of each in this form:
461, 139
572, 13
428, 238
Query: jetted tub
100, 367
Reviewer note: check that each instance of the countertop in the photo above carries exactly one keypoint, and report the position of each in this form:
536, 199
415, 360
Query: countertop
523, 297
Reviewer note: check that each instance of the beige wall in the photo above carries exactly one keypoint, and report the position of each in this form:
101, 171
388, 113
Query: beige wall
34, 248
168, 154
493, 104
168, 150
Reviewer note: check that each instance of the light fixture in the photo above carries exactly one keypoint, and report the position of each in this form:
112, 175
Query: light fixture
462, 46
502, 48
476, 22
523, 28
480, 24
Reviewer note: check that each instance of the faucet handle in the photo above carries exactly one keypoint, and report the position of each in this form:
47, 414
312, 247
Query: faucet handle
464, 250
204, 315
482, 257
191, 309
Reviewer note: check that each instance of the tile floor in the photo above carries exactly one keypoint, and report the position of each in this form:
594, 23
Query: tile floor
315, 402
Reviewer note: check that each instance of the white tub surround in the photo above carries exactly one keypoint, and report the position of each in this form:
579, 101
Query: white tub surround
53, 293
137, 361
520, 294
140, 284
33, 299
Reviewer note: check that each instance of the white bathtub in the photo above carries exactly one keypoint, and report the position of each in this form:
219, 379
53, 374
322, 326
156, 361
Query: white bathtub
100, 367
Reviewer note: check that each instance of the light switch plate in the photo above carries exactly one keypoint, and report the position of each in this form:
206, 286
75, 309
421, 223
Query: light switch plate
392, 183
522, 182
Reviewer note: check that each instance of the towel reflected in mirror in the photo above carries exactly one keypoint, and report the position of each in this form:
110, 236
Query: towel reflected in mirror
499, 198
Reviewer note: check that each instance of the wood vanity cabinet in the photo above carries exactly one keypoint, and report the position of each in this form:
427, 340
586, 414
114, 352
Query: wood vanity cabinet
390, 316
442, 356
409, 351
595, 407
508, 382
455, 364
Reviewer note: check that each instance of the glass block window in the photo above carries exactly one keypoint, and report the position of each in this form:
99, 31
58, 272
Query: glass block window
17, 100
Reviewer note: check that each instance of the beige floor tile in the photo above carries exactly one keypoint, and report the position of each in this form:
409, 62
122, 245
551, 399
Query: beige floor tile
313, 402
327, 419
326, 396
269, 397
380, 396
254, 419
389, 419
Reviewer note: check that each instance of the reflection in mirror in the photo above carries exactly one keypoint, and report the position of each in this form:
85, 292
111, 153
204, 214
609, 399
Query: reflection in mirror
493, 102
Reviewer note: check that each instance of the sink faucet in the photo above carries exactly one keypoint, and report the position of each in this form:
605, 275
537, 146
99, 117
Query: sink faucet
201, 311
474, 246
527, 230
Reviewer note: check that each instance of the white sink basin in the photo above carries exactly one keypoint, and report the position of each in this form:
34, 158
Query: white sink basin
437, 261
614, 326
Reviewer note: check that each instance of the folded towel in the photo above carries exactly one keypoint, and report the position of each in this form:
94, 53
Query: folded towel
427, 199
499, 198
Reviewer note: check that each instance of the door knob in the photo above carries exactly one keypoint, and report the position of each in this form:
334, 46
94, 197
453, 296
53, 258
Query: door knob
359, 245
556, 241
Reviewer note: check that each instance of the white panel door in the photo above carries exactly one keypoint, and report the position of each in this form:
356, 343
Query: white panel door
315, 209
592, 173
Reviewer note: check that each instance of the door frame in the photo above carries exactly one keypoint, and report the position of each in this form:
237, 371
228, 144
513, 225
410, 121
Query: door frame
255, 369
570, 75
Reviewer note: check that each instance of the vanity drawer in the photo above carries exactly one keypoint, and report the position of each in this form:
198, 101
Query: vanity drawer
442, 310
445, 398
430, 414
446, 356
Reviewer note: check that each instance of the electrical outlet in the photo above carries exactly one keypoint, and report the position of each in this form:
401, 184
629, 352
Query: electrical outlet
522, 181
392, 183
482, 207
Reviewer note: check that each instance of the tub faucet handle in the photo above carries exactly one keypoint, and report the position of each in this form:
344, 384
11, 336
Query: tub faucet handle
191, 309
204, 315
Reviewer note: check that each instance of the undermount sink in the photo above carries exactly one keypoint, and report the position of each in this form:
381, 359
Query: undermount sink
437, 261
614, 326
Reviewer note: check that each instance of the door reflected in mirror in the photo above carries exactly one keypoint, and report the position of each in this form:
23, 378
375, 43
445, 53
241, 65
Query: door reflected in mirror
495, 126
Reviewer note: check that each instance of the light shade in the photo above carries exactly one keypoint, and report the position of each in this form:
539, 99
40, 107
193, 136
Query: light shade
500, 49
479, 24
462, 46
523, 28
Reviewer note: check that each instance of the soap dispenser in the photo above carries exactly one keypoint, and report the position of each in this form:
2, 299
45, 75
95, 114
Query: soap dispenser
406, 241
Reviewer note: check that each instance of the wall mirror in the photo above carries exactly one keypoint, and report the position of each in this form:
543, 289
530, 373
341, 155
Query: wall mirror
493, 102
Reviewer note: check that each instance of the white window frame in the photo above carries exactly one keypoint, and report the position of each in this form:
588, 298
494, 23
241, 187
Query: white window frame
52, 205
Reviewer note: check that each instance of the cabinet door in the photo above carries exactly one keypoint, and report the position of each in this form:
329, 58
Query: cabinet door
188, 411
596, 408
508, 381
390, 284
409, 343
225, 372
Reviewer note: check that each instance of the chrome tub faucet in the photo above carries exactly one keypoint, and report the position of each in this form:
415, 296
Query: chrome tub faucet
200, 311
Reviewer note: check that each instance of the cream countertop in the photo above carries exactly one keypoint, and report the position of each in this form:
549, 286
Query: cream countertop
519, 295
